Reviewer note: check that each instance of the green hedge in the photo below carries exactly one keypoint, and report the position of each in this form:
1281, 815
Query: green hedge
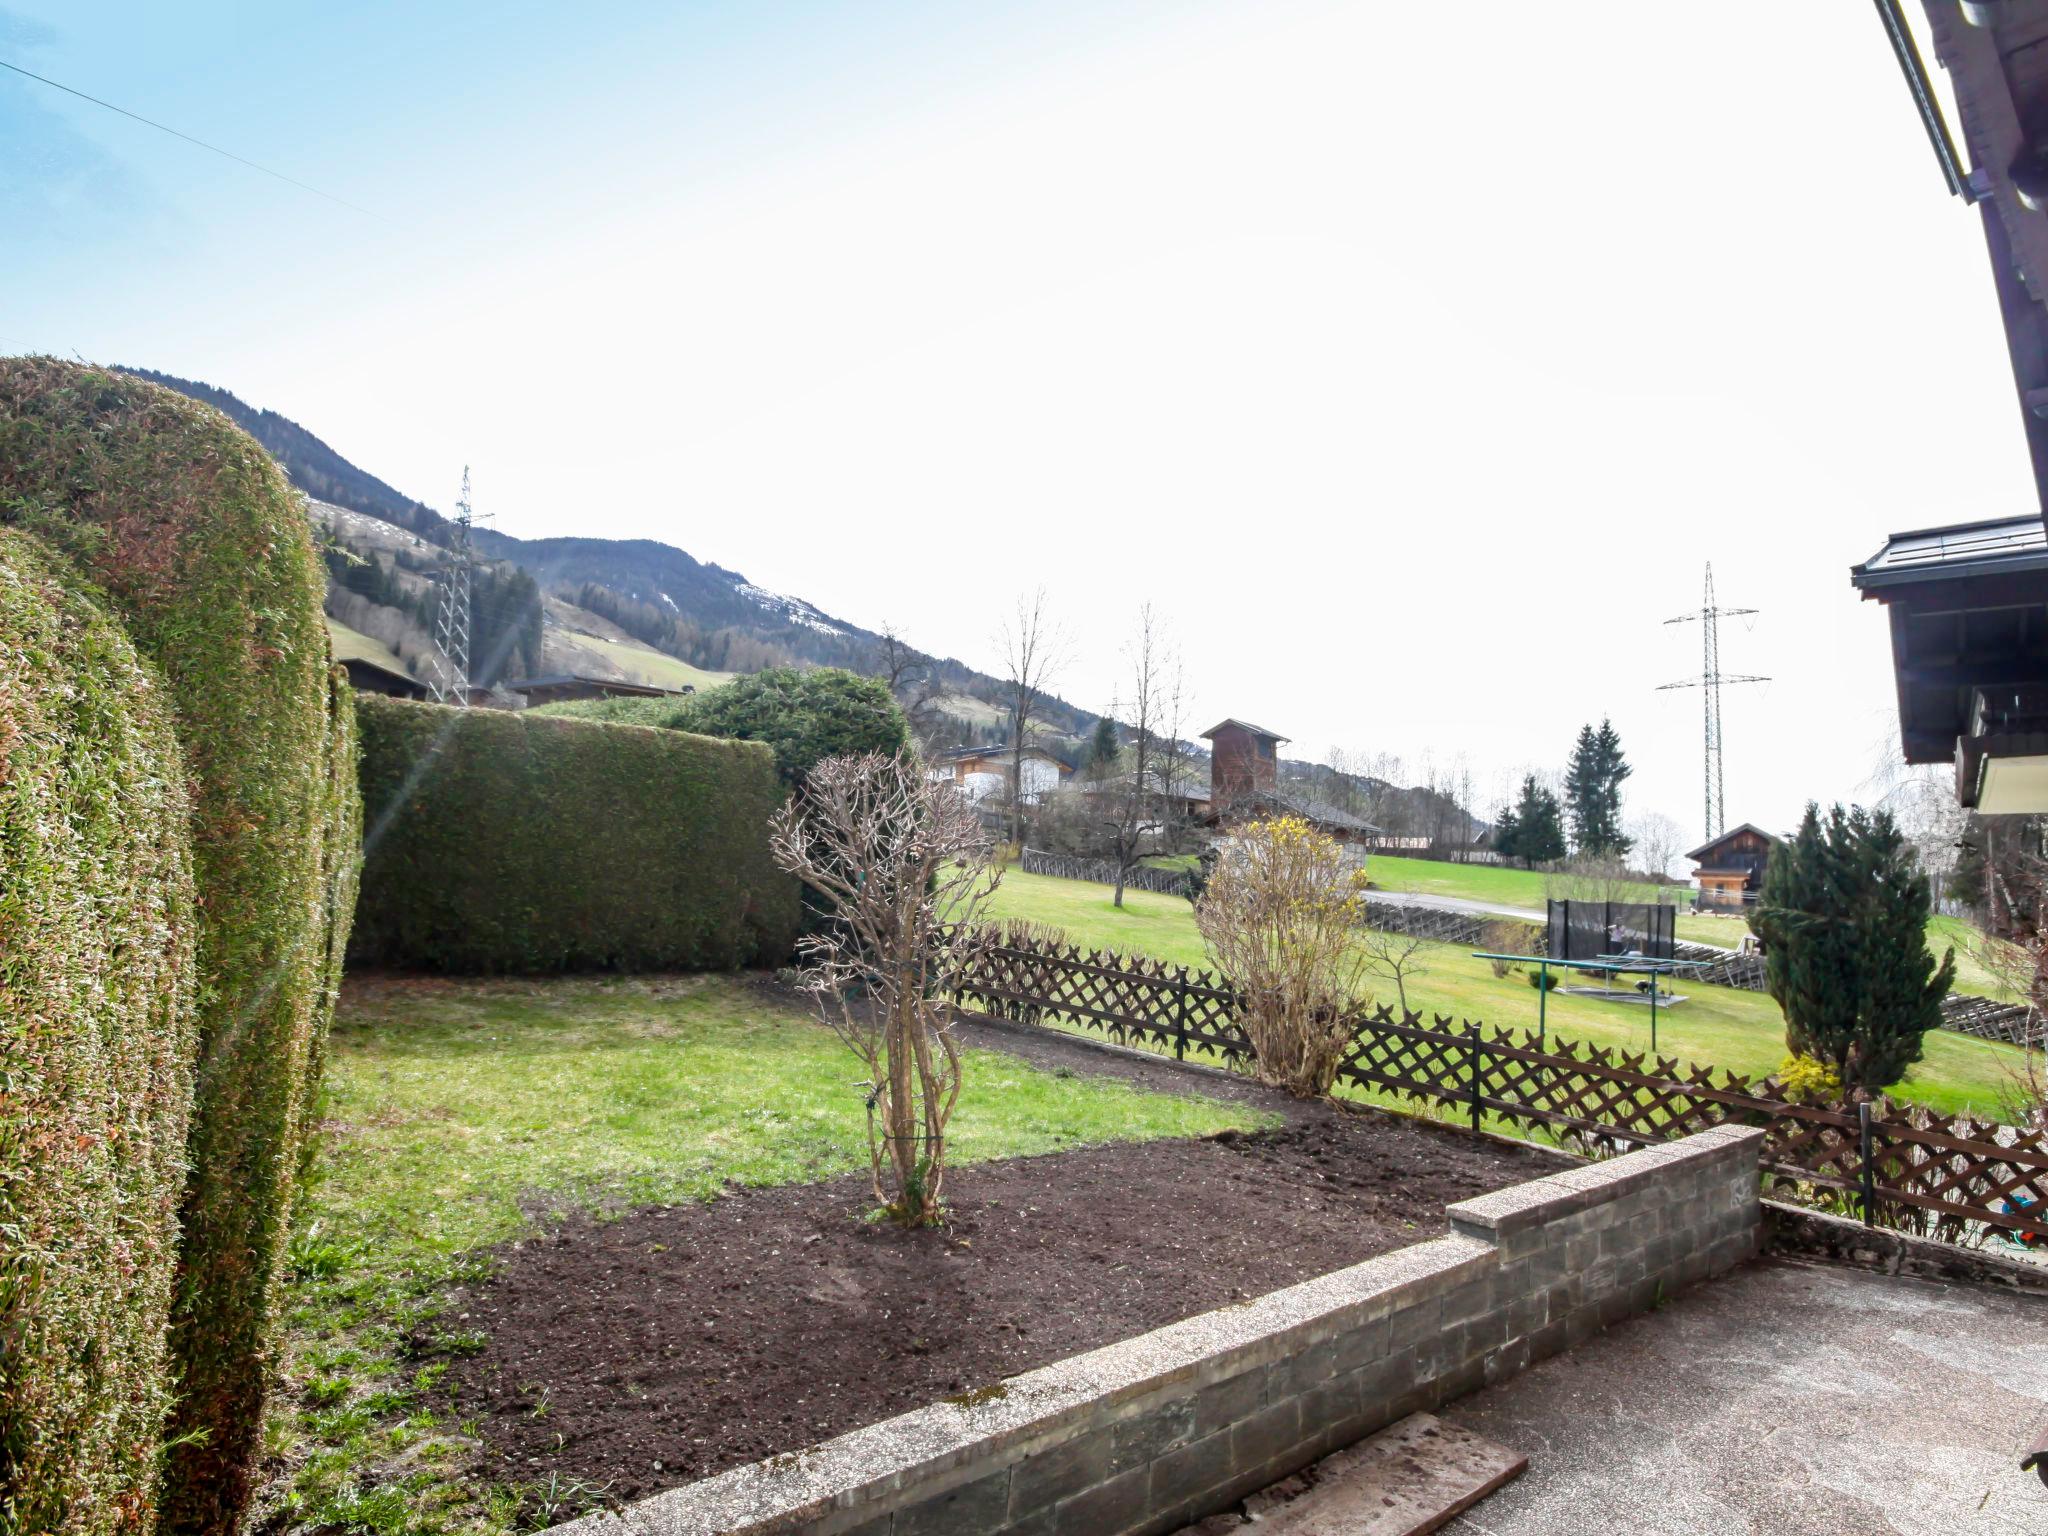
502, 842
96, 1047
206, 555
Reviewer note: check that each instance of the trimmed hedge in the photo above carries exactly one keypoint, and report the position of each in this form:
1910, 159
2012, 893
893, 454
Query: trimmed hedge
503, 842
206, 554
96, 1045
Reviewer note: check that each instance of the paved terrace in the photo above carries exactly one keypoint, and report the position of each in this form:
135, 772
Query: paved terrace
1783, 1400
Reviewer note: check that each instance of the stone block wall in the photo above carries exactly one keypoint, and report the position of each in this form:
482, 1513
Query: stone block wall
1151, 1433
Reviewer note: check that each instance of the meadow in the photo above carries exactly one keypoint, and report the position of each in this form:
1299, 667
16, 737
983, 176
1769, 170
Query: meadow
1738, 1031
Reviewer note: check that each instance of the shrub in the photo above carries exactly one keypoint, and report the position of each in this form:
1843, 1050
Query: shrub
1280, 916
901, 863
205, 553
503, 842
804, 716
96, 972
1807, 1081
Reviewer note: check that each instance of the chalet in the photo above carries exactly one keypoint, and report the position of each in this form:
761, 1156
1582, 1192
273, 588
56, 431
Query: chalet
983, 771
1730, 869
371, 667
1967, 604
562, 687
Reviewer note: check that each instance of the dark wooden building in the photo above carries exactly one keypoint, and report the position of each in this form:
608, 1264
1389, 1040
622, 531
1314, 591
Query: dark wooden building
1968, 602
1730, 869
1244, 759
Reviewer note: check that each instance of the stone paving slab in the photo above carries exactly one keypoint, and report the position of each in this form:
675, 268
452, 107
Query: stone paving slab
1783, 1400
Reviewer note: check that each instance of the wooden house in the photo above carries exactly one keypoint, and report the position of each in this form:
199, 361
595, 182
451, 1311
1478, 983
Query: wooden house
1730, 869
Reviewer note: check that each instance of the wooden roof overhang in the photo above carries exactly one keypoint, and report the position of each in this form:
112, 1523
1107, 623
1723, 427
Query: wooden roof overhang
1968, 611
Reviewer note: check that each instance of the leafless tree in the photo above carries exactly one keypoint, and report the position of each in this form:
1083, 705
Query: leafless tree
1656, 838
1176, 762
1392, 956
903, 864
899, 662
1034, 648
1134, 797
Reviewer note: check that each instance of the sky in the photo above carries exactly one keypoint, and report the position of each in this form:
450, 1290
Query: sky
1411, 360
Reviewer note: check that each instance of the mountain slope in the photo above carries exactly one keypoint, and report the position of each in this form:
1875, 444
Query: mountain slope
609, 602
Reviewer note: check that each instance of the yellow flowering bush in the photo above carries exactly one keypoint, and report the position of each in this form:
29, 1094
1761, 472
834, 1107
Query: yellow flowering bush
1280, 918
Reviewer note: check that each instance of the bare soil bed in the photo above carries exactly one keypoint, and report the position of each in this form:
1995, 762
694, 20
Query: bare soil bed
641, 1352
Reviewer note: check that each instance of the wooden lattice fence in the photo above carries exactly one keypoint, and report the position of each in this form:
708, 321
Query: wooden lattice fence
1896, 1165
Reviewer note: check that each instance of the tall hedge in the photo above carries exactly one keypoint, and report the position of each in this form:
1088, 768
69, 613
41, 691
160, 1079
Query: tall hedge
205, 553
96, 974
502, 842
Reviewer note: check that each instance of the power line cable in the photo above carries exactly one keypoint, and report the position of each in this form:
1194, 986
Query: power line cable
201, 143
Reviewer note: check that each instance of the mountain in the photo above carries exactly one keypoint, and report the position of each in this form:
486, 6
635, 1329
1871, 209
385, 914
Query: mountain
598, 605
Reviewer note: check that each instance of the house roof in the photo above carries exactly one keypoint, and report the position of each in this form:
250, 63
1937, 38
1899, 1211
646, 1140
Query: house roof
1748, 826
1243, 725
1997, 546
1317, 812
576, 680
1000, 749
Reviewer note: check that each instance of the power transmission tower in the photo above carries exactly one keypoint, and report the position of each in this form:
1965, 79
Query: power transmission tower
1709, 683
450, 682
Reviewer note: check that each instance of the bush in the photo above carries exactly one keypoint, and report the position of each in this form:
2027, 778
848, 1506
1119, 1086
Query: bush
96, 1045
504, 842
205, 553
1280, 915
1806, 1081
804, 716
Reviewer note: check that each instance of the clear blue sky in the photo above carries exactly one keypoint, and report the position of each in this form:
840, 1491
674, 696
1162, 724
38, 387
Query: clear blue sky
1411, 359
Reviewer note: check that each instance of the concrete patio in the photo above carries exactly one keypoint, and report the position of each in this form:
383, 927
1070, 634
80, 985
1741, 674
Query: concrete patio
1784, 1399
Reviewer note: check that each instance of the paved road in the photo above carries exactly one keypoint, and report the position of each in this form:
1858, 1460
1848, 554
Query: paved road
1785, 1400
1458, 904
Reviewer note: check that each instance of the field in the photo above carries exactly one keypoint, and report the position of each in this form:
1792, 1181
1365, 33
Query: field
461, 1116
1725, 1027
640, 663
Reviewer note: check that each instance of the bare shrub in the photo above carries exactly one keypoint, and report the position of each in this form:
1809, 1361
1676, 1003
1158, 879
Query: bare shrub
1504, 936
1280, 916
1393, 957
903, 865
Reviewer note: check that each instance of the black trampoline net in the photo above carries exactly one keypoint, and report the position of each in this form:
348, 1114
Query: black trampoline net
1586, 930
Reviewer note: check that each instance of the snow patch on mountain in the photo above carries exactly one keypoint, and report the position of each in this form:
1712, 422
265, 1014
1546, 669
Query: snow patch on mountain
794, 609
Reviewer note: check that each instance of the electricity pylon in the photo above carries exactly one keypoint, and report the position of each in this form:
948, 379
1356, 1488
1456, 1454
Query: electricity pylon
450, 682
1709, 683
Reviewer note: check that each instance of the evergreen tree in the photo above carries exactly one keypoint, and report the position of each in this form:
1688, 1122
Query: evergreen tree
1103, 747
1533, 829
1902, 985
1592, 788
1843, 917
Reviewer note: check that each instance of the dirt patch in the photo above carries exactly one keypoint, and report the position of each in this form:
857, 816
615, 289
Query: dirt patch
671, 1343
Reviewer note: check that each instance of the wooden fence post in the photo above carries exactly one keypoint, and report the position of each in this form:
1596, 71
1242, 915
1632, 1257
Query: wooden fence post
1869, 1178
1180, 1014
1472, 1058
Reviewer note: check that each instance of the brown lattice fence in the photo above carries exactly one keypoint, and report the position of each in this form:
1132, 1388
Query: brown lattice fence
1896, 1165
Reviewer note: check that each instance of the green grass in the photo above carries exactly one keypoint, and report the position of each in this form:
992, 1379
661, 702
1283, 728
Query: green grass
1738, 1031
643, 664
1525, 888
460, 1116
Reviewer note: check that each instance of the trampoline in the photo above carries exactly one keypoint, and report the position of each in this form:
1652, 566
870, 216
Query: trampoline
1613, 965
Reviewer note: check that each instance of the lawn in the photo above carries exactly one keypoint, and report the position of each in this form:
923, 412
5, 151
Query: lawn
460, 1116
1726, 1027
1525, 888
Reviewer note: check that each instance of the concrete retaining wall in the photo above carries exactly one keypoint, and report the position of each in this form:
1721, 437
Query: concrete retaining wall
1148, 1434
